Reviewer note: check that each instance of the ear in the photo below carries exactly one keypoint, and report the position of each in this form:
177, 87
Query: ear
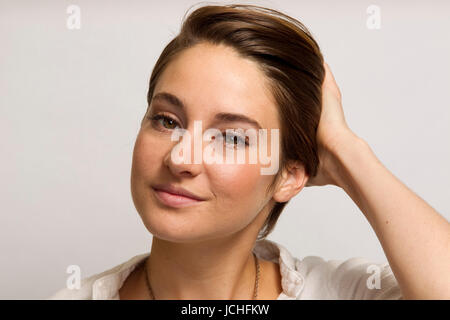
293, 179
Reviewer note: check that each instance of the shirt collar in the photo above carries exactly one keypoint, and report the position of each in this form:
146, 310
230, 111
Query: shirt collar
292, 281
107, 286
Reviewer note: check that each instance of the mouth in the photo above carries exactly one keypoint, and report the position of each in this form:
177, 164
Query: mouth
175, 200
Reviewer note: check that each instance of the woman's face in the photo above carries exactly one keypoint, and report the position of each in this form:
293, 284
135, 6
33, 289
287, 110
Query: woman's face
207, 79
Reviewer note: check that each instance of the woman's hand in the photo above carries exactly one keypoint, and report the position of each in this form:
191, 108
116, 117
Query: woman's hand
332, 132
414, 236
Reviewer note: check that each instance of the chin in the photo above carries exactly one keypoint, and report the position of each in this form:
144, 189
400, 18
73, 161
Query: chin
176, 230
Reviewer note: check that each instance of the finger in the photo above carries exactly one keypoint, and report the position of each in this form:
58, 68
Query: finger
330, 83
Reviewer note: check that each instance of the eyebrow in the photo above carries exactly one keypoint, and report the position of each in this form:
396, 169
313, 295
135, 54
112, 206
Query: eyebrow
221, 116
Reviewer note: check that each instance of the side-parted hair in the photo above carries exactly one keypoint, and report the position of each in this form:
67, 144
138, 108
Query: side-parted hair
289, 57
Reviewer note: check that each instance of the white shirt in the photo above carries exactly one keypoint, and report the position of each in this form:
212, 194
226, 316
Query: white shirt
309, 278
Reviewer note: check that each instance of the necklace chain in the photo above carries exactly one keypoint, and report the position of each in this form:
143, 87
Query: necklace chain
255, 291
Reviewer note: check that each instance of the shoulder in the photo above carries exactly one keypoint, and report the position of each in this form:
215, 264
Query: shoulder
106, 283
353, 278
82, 293
314, 278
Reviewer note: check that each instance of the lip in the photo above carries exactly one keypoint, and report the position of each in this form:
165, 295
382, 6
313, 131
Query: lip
175, 196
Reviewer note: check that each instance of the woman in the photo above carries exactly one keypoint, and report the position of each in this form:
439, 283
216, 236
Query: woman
248, 67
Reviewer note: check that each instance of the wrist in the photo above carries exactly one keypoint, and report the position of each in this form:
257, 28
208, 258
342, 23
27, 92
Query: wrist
347, 151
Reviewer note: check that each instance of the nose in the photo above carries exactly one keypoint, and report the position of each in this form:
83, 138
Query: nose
187, 167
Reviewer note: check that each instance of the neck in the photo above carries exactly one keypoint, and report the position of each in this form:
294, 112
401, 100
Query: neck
214, 269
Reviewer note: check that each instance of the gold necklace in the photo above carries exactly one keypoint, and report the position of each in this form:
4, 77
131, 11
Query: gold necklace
255, 291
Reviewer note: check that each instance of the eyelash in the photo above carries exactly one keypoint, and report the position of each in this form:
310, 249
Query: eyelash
157, 117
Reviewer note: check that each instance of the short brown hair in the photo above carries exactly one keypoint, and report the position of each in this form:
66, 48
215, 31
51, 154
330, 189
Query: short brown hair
289, 57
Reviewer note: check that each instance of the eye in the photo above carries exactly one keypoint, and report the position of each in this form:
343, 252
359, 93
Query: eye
235, 139
161, 119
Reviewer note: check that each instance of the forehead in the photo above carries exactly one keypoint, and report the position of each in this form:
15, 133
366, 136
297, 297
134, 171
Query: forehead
211, 79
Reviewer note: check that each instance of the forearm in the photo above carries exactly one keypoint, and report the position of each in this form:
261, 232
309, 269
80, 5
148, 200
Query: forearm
414, 237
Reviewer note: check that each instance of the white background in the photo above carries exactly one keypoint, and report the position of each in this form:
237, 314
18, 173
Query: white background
71, 102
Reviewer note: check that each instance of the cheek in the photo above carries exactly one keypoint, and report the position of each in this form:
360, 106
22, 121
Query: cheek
145, 155
145, 163
238, 183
